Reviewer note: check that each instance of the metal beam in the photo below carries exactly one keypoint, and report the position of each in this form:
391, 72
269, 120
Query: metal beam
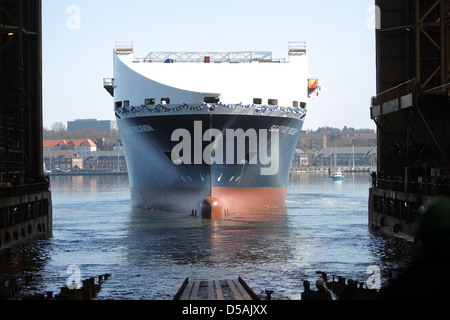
429, 11
444, 75
418, 51
432, 135
438, 71
433, 74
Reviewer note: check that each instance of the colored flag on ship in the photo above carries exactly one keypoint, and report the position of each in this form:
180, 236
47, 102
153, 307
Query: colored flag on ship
313, 87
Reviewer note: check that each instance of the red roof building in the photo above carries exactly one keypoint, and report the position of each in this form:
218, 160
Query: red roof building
82, 146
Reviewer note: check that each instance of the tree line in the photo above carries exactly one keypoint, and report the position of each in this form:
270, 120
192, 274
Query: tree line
59, 131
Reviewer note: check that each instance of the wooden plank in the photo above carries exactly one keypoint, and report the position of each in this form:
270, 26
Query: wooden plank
181, 290
215, 290
219, 290
242, 290
194, 293
210, 290
249, 290
187, 291
236, 293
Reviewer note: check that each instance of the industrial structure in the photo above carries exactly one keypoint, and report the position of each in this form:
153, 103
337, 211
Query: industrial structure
411, 111
25, 199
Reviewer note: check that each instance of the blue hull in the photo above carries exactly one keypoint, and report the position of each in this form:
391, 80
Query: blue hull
159, 183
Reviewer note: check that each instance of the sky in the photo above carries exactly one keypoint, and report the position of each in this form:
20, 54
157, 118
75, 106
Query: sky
79, 37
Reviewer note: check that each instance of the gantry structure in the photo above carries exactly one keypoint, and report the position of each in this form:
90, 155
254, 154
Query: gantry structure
411, 109
20, 90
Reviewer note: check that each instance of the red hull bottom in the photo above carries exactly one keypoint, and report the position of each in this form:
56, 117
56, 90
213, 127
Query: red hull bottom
230, 200
222, 201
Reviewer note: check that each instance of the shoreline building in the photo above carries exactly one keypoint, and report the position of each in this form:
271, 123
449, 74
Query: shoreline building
84, 147
346, 157
106, 160
62, 160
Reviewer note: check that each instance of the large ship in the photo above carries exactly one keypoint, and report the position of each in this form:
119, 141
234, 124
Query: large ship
209, 133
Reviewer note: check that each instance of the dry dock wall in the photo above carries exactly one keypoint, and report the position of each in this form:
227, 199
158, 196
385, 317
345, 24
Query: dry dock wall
25, 215
395, 213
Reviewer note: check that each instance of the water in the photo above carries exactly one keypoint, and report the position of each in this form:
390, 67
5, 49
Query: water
150, 253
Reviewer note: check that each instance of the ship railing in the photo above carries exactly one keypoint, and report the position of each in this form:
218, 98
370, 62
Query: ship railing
108, 82
297, 48
207, 57
124, 47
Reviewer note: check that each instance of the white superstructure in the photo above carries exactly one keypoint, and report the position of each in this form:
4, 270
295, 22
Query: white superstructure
177, 80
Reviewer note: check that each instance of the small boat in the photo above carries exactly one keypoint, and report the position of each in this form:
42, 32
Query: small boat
337, 176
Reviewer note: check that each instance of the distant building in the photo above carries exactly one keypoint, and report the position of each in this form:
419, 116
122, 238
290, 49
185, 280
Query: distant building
62, 160
312, 142
301, 159
82, 146
101, 125
118, 145
106, 160
346, 156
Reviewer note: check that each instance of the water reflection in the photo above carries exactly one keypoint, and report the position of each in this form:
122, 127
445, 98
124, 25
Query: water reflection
149, 253
22, 260
183, 240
